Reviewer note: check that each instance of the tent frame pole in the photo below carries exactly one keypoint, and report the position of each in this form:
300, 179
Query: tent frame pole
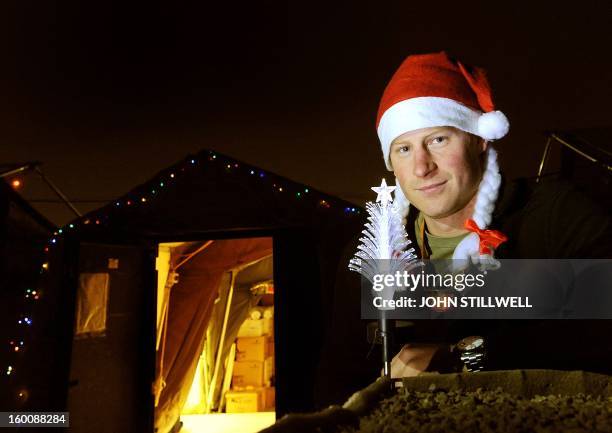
228, 305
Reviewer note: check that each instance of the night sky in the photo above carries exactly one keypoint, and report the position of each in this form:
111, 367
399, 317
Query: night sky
106, 94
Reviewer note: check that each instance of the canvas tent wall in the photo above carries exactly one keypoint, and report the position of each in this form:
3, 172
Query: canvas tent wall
211, 196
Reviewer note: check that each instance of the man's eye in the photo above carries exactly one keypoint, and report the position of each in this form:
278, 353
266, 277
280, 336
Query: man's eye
438, 140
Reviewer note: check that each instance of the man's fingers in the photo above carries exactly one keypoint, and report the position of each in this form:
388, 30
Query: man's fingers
412, 360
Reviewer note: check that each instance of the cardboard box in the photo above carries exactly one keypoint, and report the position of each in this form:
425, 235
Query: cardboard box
270, 350
245, 401
268, 326
248, 373
269, 394
268, 370
251, 328
252, 348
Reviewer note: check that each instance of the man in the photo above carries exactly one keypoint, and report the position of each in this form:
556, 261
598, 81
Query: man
436, 122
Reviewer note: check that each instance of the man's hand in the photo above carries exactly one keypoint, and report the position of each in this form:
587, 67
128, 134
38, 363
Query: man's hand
415, 359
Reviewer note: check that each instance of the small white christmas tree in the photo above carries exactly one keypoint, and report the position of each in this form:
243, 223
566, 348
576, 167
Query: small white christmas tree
383, 251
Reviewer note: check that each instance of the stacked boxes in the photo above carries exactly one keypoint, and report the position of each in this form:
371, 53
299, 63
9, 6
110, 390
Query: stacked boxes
254, 364
253, 373
252, 348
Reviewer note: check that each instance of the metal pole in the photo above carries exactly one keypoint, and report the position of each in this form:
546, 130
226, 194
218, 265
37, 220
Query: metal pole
58, 192
228, 305
581, 153
385, 335
192, 255
24, 167
544, 156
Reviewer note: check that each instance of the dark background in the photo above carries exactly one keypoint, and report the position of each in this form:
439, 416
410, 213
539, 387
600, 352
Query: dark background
105, 94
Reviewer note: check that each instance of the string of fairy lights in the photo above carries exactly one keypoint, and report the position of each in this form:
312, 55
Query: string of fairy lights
277, 183
18, 344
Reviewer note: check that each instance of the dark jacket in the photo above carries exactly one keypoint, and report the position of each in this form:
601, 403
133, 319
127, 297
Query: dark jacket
550, 219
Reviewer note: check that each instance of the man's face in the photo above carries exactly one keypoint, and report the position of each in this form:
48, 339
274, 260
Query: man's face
439, 169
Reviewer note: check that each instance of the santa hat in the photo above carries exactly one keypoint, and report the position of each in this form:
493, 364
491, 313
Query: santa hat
431, 90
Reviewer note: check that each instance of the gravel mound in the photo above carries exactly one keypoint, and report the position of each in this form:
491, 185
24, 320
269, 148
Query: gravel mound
480, 410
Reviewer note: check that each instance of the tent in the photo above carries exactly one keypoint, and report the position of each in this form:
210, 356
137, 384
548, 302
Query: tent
226, 216
23, 237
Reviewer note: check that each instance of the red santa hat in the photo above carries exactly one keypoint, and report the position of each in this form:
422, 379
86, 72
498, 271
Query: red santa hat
431, 90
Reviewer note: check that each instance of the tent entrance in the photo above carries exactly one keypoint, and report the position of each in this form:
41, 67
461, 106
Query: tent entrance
215, 336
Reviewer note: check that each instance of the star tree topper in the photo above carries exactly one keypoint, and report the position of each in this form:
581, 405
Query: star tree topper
384, 192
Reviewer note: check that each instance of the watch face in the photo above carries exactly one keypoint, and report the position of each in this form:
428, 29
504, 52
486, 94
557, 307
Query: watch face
470, 343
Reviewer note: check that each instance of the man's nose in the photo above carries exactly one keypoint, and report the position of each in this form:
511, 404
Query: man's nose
423, 163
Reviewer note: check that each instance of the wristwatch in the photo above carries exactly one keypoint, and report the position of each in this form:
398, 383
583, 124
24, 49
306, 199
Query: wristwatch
471, 352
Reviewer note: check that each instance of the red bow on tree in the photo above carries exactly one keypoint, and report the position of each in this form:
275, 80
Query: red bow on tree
488, 238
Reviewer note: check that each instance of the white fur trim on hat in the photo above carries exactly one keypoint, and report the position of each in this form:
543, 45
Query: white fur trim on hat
430, 111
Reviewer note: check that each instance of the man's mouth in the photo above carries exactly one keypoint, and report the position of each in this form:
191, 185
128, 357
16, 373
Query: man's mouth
432, 187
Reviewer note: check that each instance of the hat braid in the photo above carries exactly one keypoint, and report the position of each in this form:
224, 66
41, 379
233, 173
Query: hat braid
488, 191
401, 203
